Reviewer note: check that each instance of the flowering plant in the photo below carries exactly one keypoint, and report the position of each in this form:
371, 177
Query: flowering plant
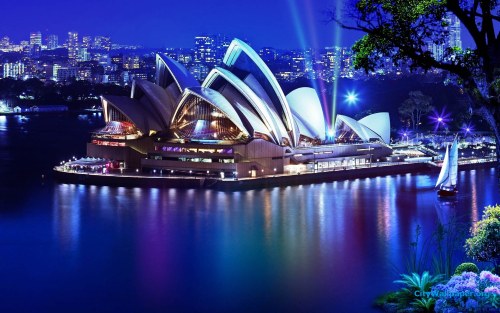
468, 292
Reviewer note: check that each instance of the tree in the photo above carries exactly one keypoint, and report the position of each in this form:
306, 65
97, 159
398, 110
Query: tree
484, 245
416, 107
404, 29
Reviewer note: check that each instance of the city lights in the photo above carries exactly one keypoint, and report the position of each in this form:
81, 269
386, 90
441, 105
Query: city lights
405, 135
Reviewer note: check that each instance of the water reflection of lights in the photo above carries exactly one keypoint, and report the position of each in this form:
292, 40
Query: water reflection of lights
295, 230
268, 215
475, 212
3, 123
66, 215
121, 191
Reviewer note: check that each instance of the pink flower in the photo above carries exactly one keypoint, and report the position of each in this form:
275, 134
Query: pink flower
492, 289
485, 275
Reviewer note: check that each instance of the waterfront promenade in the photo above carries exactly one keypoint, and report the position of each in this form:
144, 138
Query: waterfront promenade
129, 178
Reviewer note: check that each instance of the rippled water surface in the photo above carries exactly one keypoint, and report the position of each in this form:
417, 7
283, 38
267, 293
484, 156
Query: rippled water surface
328, 247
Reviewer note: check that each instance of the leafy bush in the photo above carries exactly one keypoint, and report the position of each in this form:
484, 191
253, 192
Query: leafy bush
468, 292
424, 304
484, 245
466, 267
415, 286
415, 282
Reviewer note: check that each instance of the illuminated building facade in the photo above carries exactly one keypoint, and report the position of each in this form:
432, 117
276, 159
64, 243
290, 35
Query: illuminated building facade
102, 43
14, 70
73, 46
205, 50
52, 42
36, 38
237, 123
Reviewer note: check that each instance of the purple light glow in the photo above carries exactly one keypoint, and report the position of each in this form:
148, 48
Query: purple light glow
440, 119
405, 134
467, 129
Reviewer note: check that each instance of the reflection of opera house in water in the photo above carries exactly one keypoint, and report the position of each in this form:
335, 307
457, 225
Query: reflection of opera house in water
237, 122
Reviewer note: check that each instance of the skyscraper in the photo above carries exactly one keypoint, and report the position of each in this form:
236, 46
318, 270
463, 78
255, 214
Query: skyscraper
205, 50
15, 70
36, 38
454, 39
73, 46
52, 42
222, 43
87, 42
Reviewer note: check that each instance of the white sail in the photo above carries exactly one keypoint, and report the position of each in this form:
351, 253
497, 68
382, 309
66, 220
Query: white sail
448, 175
445, 169
453, 163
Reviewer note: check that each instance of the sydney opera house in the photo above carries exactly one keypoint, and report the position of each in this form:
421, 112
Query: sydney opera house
237, 123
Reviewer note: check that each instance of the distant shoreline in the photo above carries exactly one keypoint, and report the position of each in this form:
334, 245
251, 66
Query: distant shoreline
82, 111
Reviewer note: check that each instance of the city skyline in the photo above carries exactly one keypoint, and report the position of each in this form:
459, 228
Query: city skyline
286, 24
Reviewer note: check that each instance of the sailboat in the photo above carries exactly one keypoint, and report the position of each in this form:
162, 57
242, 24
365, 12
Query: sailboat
447, 180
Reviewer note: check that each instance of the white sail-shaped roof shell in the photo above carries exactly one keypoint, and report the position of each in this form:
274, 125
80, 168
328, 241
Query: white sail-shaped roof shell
215, 99
308, 112
364, 133
380, 124
141, 116
278, 125
262, 120
262, 72
168, 70
156, 98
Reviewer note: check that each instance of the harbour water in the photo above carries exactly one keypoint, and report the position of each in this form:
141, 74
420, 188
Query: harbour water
330, 247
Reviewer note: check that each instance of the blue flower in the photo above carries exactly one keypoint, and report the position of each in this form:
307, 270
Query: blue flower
471, 304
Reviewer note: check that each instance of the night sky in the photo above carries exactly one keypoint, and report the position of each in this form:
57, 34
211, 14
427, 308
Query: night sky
174, 23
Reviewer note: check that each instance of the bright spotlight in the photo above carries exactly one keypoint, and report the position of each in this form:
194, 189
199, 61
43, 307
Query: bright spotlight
351, 97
